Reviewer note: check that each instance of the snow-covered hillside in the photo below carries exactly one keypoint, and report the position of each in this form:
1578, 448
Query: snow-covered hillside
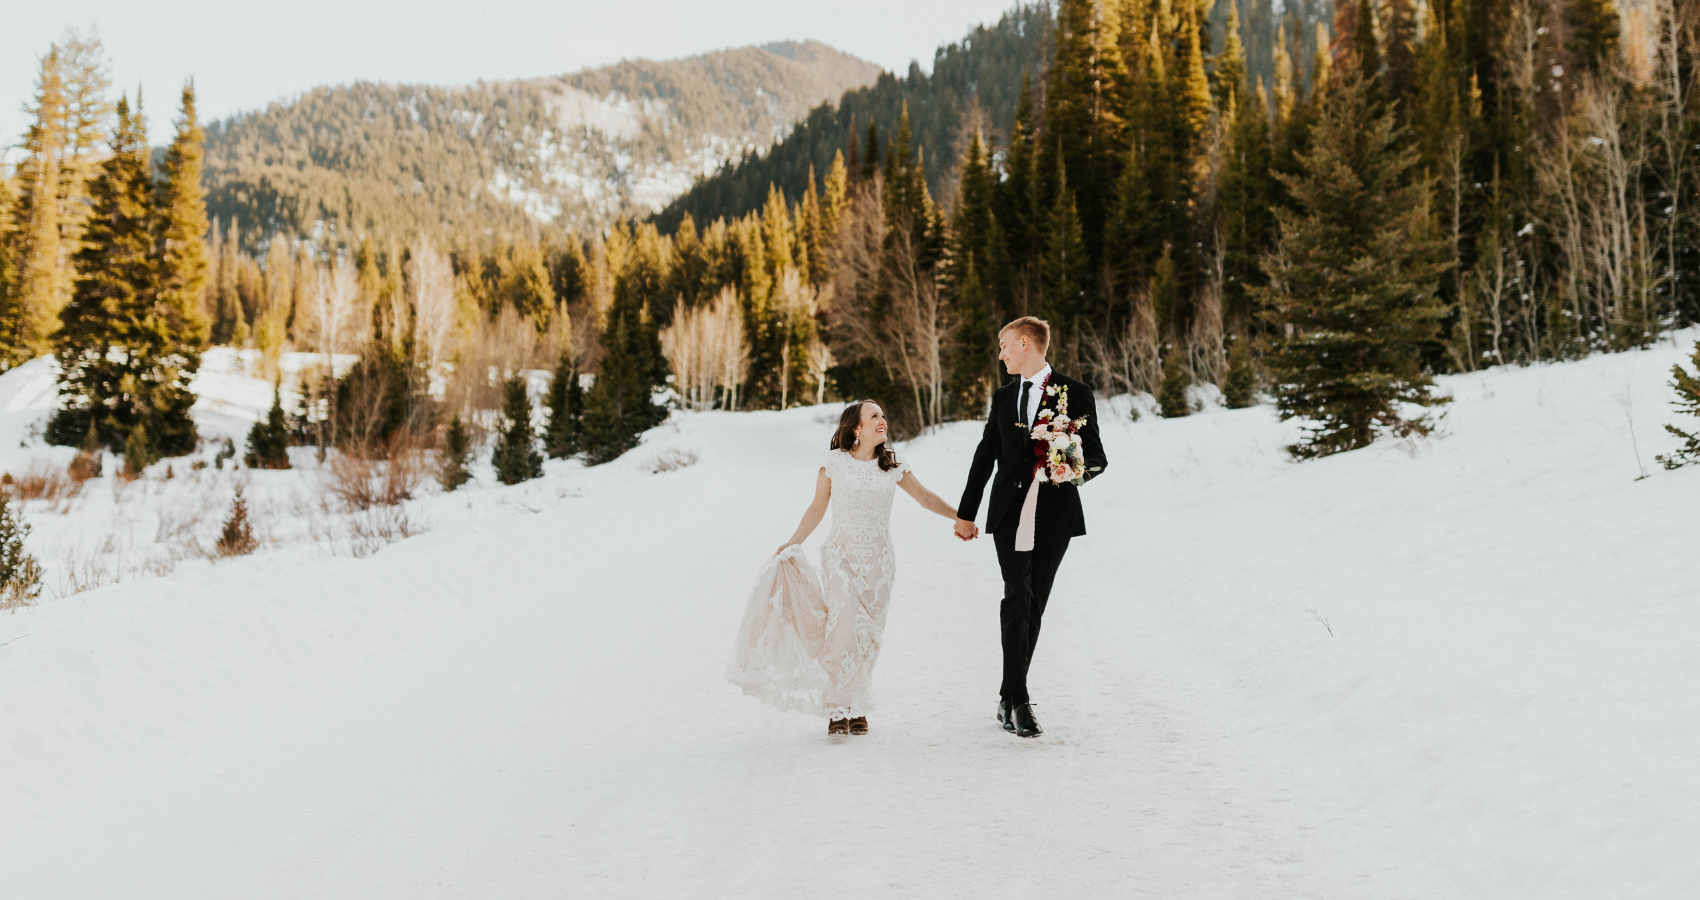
1459, 668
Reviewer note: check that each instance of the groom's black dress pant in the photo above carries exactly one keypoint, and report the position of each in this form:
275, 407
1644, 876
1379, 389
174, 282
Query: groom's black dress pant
1027, 578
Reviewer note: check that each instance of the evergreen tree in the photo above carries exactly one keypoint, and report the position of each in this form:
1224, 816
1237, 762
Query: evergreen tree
515, 457
1066, 271
1171, 397
268, 440
37, 283
566, 409
237, 536
182, 226
1687, 401
138, 450
1083, 114
20, 573
1246, 199
619, 407
1230, 71
102, 391
453, 471
1019, 208
131, 337
977, 249
1353, 279
1239, 388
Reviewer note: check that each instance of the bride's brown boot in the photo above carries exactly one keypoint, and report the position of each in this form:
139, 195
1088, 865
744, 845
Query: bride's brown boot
838, 726
859, 725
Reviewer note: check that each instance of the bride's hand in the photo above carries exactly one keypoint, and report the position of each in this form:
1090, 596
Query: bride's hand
783, 546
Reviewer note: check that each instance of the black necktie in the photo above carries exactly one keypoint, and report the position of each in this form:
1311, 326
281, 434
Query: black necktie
1025, 387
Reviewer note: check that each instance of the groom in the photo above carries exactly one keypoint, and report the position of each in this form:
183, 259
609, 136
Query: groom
1027, 575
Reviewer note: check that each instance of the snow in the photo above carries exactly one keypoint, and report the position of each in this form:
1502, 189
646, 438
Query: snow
526, 699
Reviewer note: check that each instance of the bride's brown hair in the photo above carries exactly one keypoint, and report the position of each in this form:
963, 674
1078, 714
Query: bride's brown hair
845, 437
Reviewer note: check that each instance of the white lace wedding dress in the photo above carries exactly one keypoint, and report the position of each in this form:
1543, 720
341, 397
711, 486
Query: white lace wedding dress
809, 643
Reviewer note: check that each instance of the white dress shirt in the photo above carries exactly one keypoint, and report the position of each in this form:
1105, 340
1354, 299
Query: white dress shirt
1033, 393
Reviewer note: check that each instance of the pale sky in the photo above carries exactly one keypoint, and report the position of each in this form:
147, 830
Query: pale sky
243, 55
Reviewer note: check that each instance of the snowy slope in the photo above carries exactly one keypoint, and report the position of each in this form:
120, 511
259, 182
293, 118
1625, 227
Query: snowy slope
526, 700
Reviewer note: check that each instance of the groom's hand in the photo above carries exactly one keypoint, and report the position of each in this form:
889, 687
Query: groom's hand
967, 530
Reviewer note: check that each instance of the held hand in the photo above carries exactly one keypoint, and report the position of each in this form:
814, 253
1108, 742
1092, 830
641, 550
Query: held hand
783, 546
966, 530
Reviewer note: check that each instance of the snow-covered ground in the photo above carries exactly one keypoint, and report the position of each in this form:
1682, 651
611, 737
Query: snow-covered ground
1459, 668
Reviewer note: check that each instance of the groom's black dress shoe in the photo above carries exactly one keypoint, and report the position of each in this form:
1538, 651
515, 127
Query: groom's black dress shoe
1025, 724
1004, 718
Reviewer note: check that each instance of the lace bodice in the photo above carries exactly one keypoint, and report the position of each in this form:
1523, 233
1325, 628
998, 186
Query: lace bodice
861, 498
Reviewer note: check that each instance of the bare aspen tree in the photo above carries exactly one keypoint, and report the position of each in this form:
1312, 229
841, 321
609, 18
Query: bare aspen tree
731, 345
431, 285
888, 306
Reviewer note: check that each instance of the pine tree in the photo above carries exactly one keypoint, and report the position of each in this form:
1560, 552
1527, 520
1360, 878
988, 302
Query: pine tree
1171, 397
515, 457
1353, 280
1230, 63
1065, 270
237, 536
20, 573
619, 407
182, 213
977, 249
1687, 401
138, 451
38, 283
268, 440
1019, 208
566, 409
871, 158
835, 193
1239, 388
453, 471
102, 391
1085, 130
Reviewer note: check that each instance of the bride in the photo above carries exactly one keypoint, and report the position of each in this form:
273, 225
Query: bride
809, 644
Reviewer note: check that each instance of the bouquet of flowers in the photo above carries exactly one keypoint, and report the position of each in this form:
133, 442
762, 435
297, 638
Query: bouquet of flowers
1056, 442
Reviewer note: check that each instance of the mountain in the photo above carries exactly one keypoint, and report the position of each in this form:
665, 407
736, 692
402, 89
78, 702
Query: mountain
974, 81
574, 151
977, 79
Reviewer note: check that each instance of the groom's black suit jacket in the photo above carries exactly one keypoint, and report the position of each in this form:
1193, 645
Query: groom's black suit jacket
1011, 447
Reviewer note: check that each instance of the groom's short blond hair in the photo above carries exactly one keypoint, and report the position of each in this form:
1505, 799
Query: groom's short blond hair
1033, 328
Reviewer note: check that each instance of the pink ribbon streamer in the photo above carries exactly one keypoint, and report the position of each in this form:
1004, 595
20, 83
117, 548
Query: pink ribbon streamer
1029, 512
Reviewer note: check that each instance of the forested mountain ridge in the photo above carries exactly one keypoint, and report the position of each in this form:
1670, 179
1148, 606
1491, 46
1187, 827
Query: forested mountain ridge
571, 152
976, 80
975, 83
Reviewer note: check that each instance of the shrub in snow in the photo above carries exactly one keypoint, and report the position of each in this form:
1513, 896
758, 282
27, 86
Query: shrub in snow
1171, 398
85, 466
672, 458
42, 480
457, 453
516, 458
228, 451
1687, 400
268, 441
1239, 389
237, 538
20, 574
